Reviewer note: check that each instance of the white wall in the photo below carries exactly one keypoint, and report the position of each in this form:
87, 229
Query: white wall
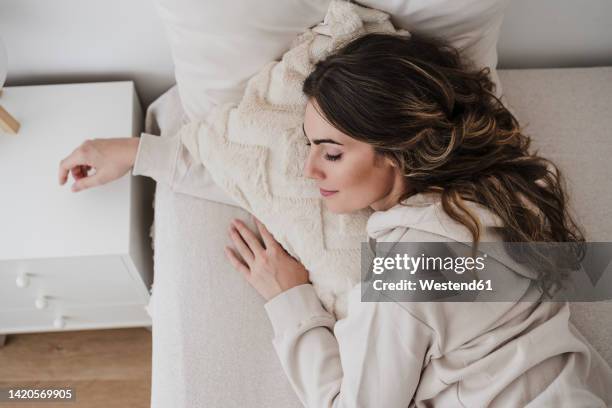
60, 41
54, 41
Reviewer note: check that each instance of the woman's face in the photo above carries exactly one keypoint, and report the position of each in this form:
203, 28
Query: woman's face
349, 174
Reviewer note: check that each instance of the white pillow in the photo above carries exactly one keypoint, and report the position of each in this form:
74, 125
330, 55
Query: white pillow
217, 45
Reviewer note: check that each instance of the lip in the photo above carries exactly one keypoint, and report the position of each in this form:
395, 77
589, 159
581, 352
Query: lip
327, 193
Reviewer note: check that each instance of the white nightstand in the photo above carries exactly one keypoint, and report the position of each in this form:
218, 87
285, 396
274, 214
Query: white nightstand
69, 260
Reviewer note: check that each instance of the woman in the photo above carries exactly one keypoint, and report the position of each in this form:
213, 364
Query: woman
404, 126
407, 128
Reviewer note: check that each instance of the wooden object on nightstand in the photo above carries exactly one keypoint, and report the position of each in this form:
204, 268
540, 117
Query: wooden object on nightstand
8, 123
71, 261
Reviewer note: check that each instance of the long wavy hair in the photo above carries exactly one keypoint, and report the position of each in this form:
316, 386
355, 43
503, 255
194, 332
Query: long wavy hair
418, 102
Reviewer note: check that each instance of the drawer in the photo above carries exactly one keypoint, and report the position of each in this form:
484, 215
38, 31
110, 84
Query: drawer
80, 281
60, 317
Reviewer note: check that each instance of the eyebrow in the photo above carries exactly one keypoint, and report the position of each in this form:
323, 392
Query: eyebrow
319, 141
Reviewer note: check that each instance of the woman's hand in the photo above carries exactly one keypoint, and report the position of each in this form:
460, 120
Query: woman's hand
110, 158
268, 267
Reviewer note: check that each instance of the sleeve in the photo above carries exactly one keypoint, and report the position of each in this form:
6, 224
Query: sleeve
372, 358
168, 161
156, 157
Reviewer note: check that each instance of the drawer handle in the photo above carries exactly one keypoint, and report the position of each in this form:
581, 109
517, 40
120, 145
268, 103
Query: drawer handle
59, 322
41, 302
22, 281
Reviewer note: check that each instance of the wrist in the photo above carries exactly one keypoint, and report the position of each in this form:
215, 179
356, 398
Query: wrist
281, 291
133, 143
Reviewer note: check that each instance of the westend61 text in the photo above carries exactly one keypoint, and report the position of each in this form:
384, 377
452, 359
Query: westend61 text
430, 284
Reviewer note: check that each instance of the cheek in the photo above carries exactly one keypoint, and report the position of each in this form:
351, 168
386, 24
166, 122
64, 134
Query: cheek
363, 178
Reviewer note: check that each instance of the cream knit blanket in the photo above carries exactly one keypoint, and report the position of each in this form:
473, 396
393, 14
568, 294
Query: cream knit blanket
256, 150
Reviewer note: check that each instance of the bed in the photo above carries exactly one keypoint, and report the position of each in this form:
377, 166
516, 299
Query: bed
211, 338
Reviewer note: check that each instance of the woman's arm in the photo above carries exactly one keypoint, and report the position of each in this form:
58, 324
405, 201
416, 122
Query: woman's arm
372, 358
164, 159
147, 155
156, 157
167, 160
109, 159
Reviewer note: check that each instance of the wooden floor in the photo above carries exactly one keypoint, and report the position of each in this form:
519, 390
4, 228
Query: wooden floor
106, 368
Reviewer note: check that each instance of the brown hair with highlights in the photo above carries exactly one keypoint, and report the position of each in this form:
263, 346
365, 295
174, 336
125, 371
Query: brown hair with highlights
418, 102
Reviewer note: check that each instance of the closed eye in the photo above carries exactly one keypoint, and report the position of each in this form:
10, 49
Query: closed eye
333, 157
330, 157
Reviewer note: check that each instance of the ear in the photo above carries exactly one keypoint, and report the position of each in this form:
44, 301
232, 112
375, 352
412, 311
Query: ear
390, 161
382, 160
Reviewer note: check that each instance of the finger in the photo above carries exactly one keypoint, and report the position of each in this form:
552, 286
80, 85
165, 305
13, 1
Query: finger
64, 168
241, 246
85, 170
79, 172
268, 238
236, 263
249, 237
86, 182
76, 172
76, 158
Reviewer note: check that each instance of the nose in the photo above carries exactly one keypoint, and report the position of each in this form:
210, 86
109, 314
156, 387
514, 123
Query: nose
310, 168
